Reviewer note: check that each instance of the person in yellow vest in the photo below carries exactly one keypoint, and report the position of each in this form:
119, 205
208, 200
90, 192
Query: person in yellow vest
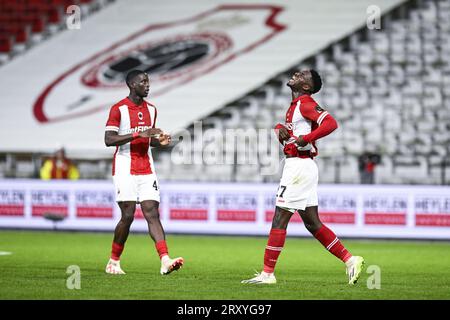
59, 167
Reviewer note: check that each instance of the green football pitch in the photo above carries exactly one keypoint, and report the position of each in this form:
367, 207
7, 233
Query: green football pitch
37, 265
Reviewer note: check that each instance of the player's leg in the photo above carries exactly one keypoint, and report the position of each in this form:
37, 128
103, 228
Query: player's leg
275, 244
126, 197
290, 197
151, 214
277, 238
331, 242
127, 209
156, 231
148, 192
121, 232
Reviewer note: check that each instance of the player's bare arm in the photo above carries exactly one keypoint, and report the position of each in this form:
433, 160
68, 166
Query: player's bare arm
300, 142
282, 133
150, 133
112, 138
161, 141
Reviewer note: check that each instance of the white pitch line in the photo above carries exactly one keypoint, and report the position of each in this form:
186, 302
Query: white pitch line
5, 253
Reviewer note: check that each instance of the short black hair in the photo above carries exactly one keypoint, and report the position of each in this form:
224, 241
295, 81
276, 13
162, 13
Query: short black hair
317, 81
132, 74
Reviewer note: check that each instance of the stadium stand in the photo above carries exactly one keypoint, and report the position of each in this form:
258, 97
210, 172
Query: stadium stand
388, 89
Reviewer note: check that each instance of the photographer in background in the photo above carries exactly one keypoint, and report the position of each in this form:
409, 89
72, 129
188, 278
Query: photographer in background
367, 162
59, 167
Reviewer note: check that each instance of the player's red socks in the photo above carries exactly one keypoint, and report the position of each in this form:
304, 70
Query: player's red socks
161, 247
116, 251
274, 246
329, 240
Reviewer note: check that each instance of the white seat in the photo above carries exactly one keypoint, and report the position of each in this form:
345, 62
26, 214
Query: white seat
24, 169
390, 143
384, 170
252, 108
327, 169
380, 43
428, 12
349, 170
383, 66
432, 98
248, 173
364, 54
348, 64
414, 171
231, 117
414, 45
413, 87
219, 173
361, 98
348, 86
321, 60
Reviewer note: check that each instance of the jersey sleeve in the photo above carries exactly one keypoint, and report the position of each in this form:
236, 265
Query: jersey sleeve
313, 112
113, 122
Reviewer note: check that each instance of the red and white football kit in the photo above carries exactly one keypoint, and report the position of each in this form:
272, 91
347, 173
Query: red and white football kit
298, 185
133, 169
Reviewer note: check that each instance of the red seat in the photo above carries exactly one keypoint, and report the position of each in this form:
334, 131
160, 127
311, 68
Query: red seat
5, 44
54, 15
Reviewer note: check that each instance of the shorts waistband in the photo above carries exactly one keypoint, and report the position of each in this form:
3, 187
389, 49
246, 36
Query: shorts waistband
300, 154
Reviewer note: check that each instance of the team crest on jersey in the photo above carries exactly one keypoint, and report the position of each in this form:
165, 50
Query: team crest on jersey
172, 52
289, 125
319, 109
140, 116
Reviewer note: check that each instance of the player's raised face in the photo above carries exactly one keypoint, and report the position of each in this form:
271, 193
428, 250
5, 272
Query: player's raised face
141, 85
301, 80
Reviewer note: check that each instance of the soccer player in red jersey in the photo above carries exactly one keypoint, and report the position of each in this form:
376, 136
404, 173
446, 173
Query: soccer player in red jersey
131, 129
305, 123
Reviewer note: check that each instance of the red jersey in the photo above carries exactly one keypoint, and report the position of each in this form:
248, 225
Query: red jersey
304, 116
134, 157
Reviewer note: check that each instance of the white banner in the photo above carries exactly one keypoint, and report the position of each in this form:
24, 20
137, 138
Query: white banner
380, 211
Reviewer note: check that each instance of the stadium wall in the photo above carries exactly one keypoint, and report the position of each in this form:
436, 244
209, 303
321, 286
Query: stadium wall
379, 211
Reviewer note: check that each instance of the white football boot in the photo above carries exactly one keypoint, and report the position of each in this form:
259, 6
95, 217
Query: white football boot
113, 267
354, 268
168, 265
262, 278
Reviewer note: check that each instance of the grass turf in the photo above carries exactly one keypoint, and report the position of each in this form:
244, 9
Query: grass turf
214, 267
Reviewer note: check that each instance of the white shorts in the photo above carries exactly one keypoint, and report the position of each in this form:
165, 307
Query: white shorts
136, 188
298, 185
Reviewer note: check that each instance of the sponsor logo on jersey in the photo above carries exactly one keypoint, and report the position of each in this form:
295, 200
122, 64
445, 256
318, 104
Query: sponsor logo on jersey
137, 129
